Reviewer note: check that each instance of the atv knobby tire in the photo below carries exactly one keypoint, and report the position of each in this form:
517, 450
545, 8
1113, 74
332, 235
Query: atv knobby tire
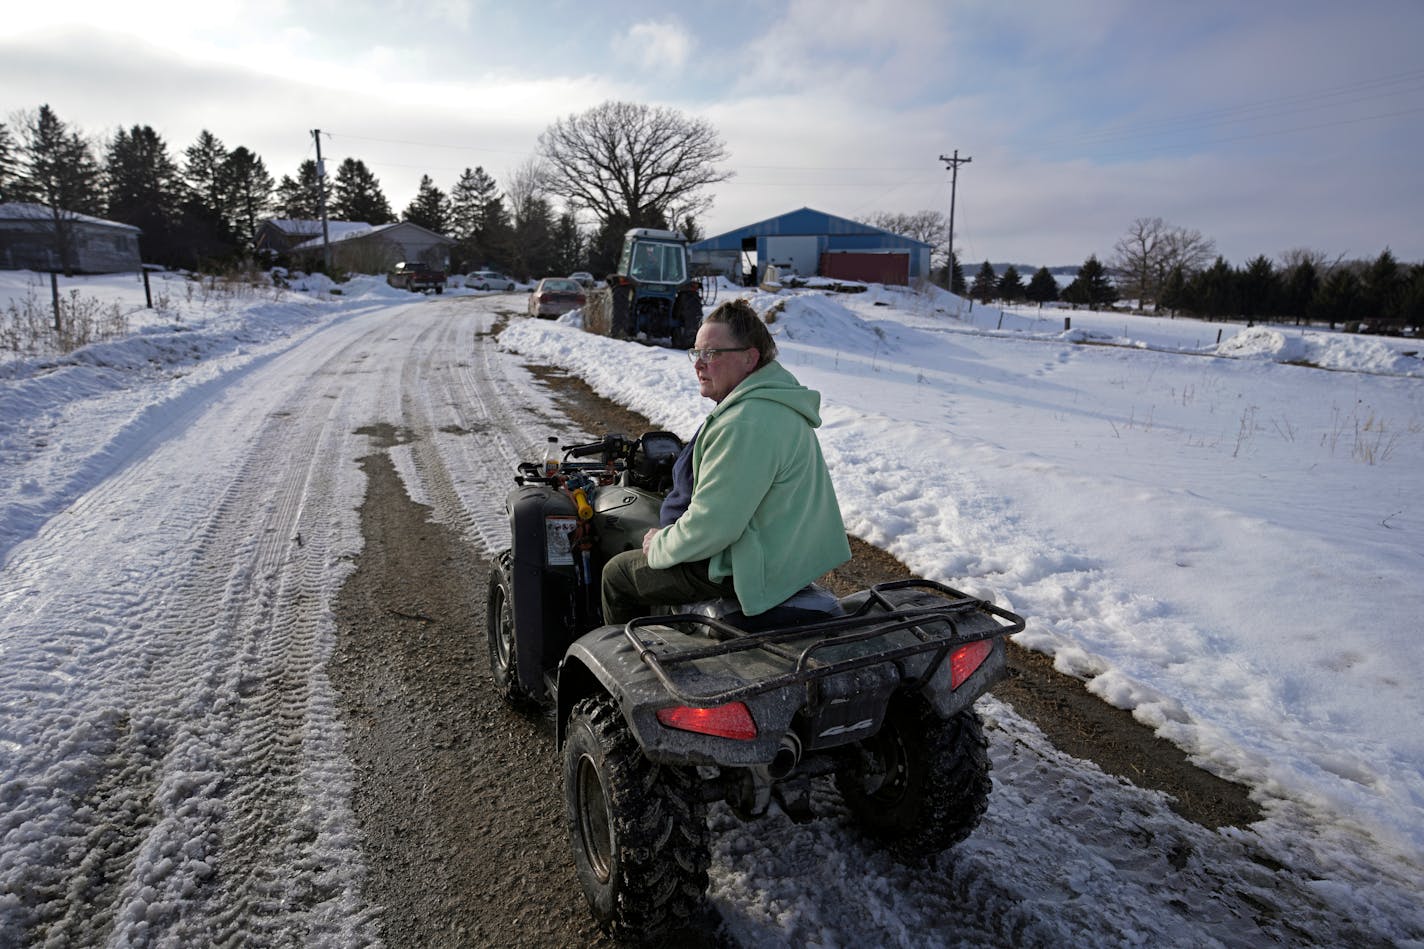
499, 622
638, 830
921, 784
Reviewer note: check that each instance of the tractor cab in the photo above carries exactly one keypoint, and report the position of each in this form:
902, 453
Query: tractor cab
654, 257
652, 297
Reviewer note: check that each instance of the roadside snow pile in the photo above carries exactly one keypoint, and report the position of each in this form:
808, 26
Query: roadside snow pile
818, 320
1326, 350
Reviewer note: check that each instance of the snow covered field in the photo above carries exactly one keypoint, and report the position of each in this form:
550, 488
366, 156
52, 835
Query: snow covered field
1220, 538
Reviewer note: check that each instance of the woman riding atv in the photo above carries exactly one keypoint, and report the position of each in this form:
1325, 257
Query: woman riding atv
752, 512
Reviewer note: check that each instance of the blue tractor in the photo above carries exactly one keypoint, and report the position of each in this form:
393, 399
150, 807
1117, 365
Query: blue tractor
653, 296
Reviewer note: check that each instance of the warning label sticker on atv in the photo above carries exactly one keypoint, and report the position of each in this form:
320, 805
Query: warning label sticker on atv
557, 534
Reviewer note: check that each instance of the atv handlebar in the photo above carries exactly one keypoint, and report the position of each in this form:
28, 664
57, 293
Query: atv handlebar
609, 446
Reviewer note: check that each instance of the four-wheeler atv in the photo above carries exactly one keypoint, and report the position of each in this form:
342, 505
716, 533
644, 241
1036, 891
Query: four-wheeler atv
668, 713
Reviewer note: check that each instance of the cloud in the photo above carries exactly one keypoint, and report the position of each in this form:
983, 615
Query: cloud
658, 45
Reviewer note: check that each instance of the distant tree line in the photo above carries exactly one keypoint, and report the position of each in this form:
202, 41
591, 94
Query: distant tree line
623, 164
1162, 269
1173, 269
203, 207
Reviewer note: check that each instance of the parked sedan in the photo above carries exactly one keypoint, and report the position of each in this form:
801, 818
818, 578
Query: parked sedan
583, 278
488, 280
555, 296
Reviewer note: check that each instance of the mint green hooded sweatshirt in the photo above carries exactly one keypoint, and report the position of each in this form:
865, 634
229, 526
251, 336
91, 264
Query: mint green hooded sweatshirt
763, 509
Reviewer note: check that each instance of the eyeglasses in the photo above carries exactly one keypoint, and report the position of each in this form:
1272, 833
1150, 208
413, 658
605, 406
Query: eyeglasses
709, 356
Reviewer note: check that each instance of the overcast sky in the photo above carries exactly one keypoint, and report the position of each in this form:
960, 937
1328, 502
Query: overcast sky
1266, 125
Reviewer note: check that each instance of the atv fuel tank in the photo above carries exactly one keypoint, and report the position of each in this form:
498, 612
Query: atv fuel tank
624, 515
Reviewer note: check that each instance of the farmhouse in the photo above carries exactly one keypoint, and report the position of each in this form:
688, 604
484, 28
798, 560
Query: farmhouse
35, 237
814, 243
356, 246
277, 236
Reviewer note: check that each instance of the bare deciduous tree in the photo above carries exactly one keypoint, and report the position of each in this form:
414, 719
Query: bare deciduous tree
633, 163
1151, 249
526, 184
930, 227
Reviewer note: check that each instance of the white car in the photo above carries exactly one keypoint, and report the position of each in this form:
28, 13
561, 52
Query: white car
583, 278
488, 280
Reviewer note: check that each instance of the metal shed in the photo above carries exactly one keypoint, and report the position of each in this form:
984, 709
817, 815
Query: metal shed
810, 243
35, 237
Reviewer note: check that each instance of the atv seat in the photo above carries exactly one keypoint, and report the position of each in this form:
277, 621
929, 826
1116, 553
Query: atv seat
809, 604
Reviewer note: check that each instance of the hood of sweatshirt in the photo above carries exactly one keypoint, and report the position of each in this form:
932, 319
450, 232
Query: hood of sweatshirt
773, 383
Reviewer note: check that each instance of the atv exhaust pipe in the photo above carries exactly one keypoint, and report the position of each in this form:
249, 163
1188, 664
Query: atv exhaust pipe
749, 790
786, 758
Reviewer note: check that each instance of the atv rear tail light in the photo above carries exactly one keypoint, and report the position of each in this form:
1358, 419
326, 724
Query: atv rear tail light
733, 720
966, 659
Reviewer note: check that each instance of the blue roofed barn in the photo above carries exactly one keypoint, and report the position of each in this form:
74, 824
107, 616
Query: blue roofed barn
813, 243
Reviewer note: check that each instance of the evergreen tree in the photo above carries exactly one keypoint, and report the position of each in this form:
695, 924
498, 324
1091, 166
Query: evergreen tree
534, 238
205, 228
1300, 284
57, 166
1174, 296
299, 199
1010, 286
606, 244
985, 283
1214, 291
357, 195
203, 171
58, 169
1382, 292
249, 193
470, 208
1411, 305
1042, 288
957, 285
430, 208
1259, 289
497, 237
567, 244
1339, 298
145, 189
1091, 288
689, 228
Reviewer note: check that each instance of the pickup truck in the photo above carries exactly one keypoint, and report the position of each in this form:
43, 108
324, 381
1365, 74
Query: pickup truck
416, 277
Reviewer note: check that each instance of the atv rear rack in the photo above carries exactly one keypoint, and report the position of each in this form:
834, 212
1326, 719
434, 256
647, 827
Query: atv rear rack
860, 626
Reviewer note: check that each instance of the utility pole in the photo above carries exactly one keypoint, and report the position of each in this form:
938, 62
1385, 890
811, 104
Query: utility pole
953, 165
321, 202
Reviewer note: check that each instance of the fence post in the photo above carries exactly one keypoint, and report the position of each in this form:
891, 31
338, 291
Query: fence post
1067, 323
54, 295
147, 293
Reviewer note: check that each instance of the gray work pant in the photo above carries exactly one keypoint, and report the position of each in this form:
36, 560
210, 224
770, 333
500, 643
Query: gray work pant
630, 586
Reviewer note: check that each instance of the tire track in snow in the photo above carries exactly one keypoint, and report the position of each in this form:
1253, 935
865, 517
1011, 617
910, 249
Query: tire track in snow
210, 784
476, 416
